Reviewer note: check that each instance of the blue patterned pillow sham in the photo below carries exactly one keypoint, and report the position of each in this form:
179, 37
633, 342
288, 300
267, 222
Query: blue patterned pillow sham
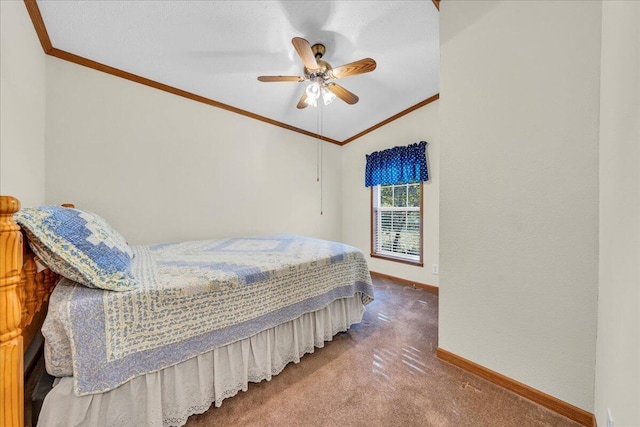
79, 245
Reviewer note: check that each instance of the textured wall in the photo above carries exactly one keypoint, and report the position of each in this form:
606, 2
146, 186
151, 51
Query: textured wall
618, 354
22, 106
160, 167
418, 125
519, 111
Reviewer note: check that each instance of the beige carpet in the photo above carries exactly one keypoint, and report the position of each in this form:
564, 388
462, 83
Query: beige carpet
383, 372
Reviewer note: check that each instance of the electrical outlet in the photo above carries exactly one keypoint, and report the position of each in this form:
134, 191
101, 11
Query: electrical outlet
609, 418
435, 269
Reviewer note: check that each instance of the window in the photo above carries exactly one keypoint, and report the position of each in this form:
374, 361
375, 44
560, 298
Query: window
396, 222
395, 176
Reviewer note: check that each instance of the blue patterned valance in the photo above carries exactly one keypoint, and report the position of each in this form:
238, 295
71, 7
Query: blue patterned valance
397, 165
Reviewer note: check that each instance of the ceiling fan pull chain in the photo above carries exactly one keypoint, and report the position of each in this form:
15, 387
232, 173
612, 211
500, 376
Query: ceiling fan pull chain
320, 107
318, 155
319, 152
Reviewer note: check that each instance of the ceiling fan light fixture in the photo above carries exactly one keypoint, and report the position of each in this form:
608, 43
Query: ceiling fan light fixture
317, 89
327, 96
313, 93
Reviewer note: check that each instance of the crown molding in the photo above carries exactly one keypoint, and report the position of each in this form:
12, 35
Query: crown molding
47, 47
392, 118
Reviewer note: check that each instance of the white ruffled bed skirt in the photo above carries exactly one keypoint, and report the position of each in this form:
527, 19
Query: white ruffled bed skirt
168, 397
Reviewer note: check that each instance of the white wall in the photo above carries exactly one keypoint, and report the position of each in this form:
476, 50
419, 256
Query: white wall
162, 168
22, 100
519, 111
519, 219
618, 350
419, 125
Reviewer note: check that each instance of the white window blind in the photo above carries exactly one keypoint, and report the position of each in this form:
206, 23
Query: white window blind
397, 221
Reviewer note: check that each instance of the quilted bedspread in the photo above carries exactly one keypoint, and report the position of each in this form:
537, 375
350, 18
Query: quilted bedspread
192, 297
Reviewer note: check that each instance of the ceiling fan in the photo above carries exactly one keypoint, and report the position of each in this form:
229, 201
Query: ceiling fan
319, 72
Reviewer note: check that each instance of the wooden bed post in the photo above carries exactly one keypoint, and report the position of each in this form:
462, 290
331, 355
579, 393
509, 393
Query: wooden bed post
11, 344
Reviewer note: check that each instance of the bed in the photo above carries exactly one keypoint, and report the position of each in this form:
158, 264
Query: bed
149, 335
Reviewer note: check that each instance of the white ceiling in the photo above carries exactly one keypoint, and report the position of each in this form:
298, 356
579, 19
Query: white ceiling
217, 49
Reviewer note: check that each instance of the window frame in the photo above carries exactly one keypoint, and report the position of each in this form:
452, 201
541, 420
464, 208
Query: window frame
400, 259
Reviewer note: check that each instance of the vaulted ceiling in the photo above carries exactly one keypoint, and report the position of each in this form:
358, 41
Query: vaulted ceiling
213, 51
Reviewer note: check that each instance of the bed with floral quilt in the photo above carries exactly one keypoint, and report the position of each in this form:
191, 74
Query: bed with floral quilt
151, 334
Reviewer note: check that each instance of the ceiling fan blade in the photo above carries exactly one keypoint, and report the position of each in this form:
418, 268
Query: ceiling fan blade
358, 67
304, 51
280, 79
342, 93
303, 101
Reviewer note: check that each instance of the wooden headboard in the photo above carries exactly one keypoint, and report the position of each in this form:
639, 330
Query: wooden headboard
24, 292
